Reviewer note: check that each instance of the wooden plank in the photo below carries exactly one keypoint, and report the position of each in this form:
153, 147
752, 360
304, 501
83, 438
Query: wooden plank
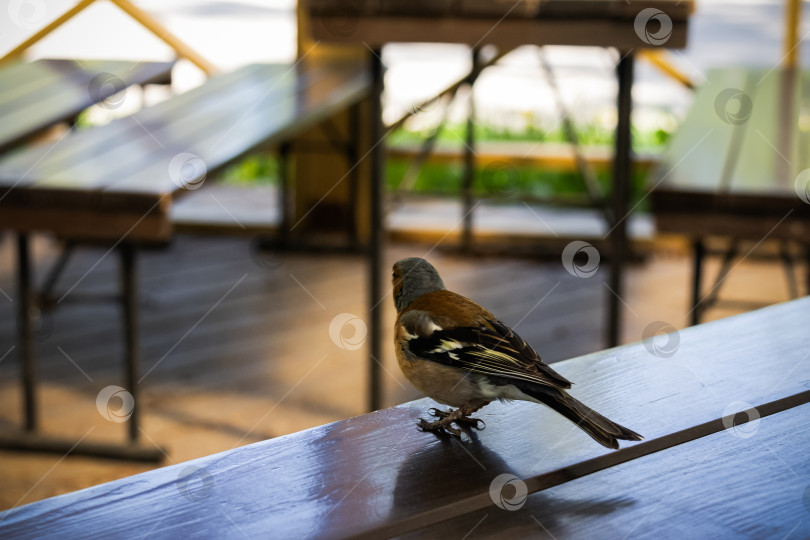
140, 144
95, 159
60, 90
89, 224
98, 170
702, 489
594, 32
733, 106
731, 167
82, 143
268, 122
496, 10
64, 80
343, 478
696, 156
739, 225
773, 152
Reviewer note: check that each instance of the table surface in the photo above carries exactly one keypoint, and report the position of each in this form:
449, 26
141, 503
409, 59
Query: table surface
137, 164
607, 23
37, 95
740, 149
376, 475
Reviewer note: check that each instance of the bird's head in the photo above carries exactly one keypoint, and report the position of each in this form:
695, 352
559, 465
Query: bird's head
412, 278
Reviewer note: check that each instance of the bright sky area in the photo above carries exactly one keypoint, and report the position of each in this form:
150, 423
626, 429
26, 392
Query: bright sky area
230, 34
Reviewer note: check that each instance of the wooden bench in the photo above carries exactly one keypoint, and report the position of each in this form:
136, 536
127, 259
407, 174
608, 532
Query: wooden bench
115, 184
734, 169
36, 95
722, 407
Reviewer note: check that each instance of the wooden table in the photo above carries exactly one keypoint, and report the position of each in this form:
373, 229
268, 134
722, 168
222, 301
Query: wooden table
115, 185
625, 25
702, 471
734, 168
36, 95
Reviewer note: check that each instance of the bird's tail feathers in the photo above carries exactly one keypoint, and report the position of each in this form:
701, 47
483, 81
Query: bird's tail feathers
601, 429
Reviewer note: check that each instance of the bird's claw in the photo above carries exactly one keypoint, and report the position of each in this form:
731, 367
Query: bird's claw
438, 413
439, 427
445, 421
473, 422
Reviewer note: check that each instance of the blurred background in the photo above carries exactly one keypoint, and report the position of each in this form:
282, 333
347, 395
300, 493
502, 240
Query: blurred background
236, 342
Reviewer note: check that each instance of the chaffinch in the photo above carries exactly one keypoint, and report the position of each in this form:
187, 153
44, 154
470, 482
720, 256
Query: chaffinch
460, 354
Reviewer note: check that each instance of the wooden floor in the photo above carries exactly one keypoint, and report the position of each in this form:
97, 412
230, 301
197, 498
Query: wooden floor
236, 344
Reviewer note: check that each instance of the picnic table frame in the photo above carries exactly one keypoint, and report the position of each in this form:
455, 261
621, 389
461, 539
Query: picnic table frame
113, 185
606, 23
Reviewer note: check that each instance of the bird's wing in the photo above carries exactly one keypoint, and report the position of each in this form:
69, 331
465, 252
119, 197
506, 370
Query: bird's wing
489, 348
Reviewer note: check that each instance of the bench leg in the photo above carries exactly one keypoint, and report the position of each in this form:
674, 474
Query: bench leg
46, 298
25, 332
375, 247
699, 251
129, 300
285, 199
790, 272
353, 159
807, 261
32, 440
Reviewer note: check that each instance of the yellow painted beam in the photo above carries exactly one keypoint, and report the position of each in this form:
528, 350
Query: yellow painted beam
151, 24
146, 20
659, 59
792, 17
17, 51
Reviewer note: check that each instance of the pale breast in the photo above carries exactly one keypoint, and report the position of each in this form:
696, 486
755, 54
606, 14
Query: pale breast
443, 383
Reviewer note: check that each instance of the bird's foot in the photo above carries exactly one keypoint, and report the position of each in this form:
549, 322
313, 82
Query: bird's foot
438, 427
460, 417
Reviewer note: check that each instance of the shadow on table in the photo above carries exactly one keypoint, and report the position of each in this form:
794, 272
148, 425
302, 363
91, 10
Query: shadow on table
441, 474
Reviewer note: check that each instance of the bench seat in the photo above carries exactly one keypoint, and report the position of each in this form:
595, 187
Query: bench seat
119, 180
36, 95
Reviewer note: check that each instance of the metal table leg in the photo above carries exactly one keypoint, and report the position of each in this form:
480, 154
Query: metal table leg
129, 298
622, 163
353, 157
31, 440
469, 159
25, 332
375, 246
699, 251
807, 262
285, 198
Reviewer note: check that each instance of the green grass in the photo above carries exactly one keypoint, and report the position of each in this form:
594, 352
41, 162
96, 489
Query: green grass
588, 135
257, 169
504, 181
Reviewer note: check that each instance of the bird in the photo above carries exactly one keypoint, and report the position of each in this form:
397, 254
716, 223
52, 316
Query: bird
459, 354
